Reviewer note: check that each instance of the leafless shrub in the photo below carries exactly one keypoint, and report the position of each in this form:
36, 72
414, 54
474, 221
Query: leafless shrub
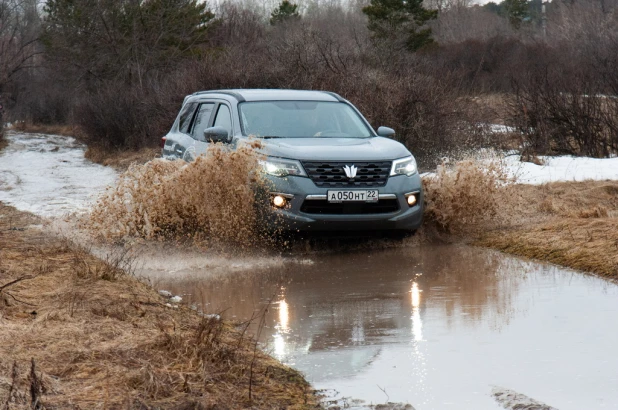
116, 264
42, 100
117, 116
485, 65
565, 114
19, 48
464, 23
566, 91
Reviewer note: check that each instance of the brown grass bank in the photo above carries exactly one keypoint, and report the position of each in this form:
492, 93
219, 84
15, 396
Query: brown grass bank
66, 130
121, 159
573, 224
115, 158
79, 332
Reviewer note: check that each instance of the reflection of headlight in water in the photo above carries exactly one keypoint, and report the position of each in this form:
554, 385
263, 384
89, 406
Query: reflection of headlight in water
279, 345
417, 324
283, 327
284, 316
416, 295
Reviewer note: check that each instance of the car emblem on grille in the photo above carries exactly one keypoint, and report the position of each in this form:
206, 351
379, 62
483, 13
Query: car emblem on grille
350, 172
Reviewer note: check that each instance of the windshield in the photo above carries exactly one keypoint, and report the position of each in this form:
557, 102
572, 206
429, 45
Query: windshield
301, 119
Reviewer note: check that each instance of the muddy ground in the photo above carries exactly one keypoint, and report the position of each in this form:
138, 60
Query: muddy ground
81, 332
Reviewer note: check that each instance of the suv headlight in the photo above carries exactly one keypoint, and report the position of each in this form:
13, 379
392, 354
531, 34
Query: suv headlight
404, 166
280, 167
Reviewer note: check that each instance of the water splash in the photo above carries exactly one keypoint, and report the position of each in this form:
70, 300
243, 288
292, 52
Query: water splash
212, 199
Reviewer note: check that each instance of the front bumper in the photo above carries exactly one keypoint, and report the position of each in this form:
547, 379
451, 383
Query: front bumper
298, 189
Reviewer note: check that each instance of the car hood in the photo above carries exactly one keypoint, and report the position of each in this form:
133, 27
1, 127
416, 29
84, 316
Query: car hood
334, 149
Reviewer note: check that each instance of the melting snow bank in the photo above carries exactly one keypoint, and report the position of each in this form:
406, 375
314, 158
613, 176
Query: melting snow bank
563, 168
510, 399
49, 176
551, 169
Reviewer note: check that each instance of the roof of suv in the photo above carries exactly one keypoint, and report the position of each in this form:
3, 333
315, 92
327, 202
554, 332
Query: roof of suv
276, 95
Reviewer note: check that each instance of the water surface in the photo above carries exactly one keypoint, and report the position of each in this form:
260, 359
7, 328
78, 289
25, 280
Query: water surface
433, 326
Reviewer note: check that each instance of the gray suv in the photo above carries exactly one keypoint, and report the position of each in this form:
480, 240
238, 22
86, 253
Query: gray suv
327, 169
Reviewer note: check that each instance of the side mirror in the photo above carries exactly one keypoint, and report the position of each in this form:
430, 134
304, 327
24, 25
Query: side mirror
386, 132
216, 134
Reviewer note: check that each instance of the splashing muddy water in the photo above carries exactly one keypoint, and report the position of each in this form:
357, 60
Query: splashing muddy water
210, 199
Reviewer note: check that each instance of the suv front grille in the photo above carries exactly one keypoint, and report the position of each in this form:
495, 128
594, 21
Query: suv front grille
322, 206
331, 174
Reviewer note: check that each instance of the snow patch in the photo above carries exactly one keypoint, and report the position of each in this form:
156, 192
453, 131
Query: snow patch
562, 168
500, 129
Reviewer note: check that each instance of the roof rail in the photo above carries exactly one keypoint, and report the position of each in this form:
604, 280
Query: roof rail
337, 96
234, 94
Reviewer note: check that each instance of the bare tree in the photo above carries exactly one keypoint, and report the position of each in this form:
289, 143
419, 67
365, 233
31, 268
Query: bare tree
457, 24
444, 5
19, 35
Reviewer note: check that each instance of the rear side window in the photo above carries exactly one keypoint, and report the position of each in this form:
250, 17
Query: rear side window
202, 119
185, 117
224, 119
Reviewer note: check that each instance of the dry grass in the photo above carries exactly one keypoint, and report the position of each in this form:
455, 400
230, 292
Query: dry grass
570, 224
3, 141
78, 332
121, 159
66, 130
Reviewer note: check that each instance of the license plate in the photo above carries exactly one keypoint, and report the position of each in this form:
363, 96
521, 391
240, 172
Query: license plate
370, 195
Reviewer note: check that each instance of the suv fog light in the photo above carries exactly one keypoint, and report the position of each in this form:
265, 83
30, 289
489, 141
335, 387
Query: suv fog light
412, 200
279, 201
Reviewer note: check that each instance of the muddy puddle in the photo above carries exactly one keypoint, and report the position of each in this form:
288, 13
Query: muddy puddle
434, 326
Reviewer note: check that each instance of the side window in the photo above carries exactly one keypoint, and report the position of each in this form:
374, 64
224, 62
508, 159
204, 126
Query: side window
185, 117
224, 119
201, 120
